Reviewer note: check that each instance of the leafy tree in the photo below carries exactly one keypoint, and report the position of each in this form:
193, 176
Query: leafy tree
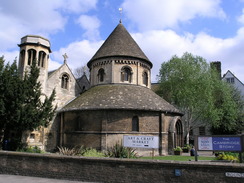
22, 105
189, 83
231, 107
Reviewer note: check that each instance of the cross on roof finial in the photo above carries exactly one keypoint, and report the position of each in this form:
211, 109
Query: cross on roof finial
120, 11
65, 57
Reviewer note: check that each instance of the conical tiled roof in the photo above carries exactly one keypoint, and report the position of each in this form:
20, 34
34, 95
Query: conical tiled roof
120, 44
127, 97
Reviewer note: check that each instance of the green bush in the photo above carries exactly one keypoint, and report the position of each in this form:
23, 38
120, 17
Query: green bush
80, 151
227, 156
73, 151
118, 151
177, 148
31, 149
93, 153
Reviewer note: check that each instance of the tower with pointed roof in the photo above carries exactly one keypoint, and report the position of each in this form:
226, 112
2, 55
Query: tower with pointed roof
120, 61
120, 101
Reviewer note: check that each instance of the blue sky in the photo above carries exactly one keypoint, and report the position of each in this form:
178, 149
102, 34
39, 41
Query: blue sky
213, 29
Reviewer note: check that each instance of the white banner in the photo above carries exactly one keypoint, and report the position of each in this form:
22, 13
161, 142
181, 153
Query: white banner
141, 141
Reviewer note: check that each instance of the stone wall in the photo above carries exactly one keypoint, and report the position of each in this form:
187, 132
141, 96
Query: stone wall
112, 68
118, 170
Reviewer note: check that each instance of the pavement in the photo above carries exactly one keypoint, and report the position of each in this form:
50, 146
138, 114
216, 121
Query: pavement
25, 179
202, 153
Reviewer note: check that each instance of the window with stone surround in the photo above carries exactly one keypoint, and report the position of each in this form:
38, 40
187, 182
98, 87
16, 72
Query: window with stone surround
65, 81
135, 124
41, 58
22, 57
101, 75
126, 74
31, 56
145, 78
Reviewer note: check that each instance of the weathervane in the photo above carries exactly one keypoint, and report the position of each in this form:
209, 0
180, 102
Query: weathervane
120, 11
65, 57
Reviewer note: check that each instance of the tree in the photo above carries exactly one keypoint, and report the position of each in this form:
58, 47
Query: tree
80, 71
231, 106
193, 86
22, 105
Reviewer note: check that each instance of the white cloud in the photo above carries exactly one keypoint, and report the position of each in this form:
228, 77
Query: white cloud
79, 53
10, 56
91, 25
160, 46
241, 18
40, 17
156, 18
79, 6
157, 14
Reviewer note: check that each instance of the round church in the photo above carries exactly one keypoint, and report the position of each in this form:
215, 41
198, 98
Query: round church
120, 101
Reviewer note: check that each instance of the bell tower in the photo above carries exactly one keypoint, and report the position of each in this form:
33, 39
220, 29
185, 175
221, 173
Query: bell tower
37, 48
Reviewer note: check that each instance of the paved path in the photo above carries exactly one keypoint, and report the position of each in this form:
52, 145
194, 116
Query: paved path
202, 153
24, 179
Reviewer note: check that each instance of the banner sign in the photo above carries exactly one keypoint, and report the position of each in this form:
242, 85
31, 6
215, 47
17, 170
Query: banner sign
219, 143
141, 141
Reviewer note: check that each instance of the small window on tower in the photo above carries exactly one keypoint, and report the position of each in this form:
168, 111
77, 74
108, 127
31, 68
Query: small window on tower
31, 56
101, 75
145, 78
126, 74
65, 81
22, 56
41, 58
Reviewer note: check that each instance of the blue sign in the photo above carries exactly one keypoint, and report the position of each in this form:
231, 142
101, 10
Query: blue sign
226, 143
178, 173
220, 143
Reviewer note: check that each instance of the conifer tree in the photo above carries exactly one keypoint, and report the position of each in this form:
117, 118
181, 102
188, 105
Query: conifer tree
22, 105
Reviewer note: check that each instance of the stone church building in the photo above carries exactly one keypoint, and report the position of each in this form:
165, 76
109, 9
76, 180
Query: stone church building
116, 101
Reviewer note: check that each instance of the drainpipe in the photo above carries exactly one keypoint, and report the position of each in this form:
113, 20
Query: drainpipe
160, 133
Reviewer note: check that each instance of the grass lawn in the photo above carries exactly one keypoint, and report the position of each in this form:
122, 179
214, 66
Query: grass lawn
179, 158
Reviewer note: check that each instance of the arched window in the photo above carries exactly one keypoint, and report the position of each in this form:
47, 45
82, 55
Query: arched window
135, 124
31, 56
178, 134
101, 75
41, 58
22, 57
145, 78
126, 74
65, 81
